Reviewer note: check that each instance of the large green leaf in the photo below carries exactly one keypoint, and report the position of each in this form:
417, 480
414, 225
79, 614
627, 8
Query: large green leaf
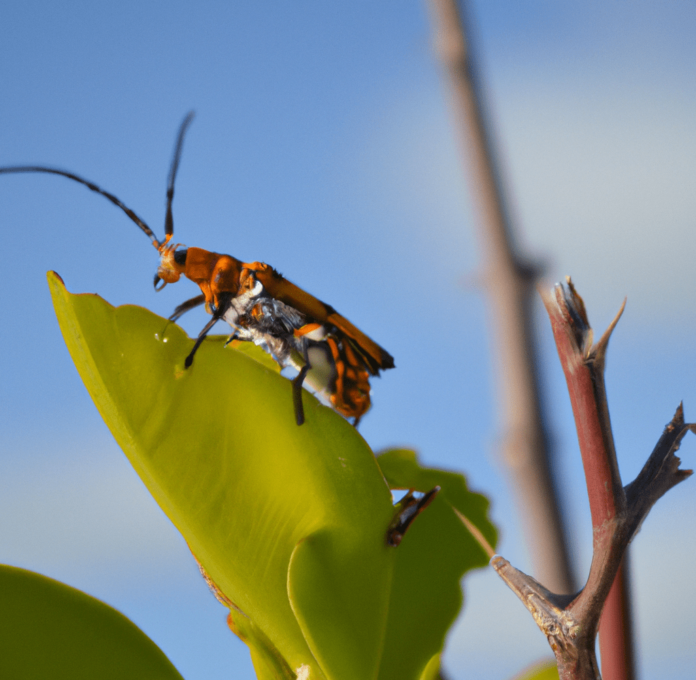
53, 632
288, 521
430, 562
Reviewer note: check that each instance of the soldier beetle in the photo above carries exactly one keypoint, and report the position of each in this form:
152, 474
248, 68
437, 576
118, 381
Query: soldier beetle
262, 307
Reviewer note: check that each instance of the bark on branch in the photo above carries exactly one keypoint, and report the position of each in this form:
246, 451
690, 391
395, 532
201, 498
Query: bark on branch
570, 623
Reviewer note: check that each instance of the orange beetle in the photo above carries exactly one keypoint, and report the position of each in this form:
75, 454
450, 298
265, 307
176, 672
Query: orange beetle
263, 307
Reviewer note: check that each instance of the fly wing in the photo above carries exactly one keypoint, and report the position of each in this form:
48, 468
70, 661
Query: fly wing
376, 358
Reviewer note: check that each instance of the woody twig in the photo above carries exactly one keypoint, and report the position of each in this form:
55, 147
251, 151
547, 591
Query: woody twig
570, 623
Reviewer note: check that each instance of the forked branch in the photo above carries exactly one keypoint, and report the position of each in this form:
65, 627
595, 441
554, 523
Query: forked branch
570, 623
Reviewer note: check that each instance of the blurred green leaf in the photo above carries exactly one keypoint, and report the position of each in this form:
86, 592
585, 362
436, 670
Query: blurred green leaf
53, 632
435, 553
432, 669
289, 522
546, 670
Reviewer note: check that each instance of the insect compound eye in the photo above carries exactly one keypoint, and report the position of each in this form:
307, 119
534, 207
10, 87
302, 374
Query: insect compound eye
180, 256
172, 264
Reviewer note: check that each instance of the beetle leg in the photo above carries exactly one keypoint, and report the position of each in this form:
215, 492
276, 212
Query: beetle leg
231, 338
201, 337
218, 311
187, 306
297, 390
297, 394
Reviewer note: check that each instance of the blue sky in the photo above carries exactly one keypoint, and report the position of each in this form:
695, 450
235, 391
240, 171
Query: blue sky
323, 145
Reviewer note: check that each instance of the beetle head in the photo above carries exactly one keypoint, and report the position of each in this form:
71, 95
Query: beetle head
171, 265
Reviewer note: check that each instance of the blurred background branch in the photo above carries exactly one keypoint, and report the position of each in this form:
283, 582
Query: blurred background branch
511, 286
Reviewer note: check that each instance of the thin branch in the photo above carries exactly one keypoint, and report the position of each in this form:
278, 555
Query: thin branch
583, 365
510, 282
570, 623
575, 659
660, 473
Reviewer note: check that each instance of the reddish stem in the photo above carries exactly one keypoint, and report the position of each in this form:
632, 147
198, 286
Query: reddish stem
570, 622
613, 633
583, 365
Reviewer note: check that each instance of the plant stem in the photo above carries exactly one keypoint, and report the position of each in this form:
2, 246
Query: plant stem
583, 366
570, 622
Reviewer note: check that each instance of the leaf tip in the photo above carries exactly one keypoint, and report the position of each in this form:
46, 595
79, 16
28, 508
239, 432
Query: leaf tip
54, 277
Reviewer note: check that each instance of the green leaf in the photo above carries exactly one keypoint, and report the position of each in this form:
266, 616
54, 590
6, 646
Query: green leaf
289, 522
51, 631
329, 582
546, 670
432, 669
268, 662
435, 553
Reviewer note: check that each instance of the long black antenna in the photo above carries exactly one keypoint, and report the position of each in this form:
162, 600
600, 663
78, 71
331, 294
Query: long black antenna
89, 185
169, 219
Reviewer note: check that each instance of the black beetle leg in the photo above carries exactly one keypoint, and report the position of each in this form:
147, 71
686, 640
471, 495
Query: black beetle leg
297, 390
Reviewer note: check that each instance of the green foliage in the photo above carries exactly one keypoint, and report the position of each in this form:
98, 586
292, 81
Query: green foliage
248, 492
288, 522
431, 560
546, 670
51, 631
